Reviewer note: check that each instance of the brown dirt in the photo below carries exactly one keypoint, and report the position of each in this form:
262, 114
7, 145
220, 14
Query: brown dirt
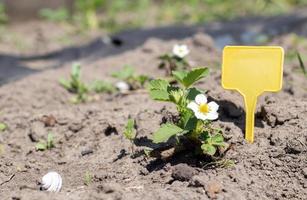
274, 167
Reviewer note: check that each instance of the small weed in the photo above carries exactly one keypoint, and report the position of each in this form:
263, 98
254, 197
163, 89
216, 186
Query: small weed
223, 163
84, 92
75, 85
88, 178
302, 65
44, 145
130, 132
176, 60
127, 75
100, 86
3, 127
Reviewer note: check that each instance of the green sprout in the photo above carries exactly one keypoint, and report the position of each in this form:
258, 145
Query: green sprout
175, 61
3, 126
127, 74
195, 114
75, 85
88, 178
130, 132
100, 86
44, 145
302, 65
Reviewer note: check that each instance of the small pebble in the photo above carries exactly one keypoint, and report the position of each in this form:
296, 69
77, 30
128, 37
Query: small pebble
122, 86
52, 182
86, 152
304, 172
183, 172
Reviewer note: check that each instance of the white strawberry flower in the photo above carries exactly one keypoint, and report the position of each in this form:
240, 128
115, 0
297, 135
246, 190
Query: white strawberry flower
202, 109
180, 50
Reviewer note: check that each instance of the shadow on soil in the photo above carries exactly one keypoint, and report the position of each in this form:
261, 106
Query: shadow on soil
230, 112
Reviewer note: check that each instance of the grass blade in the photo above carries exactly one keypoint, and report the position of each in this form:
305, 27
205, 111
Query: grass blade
301, 63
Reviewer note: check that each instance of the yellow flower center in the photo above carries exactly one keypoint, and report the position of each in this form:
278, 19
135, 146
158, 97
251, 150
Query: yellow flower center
204, 108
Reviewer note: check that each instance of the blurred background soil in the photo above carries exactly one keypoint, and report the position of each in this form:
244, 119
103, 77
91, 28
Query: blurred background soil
37, 35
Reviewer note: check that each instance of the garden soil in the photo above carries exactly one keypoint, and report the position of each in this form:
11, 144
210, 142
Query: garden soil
89, 137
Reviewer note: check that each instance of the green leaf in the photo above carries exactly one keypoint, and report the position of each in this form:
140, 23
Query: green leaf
125, 73
189, 78
165, 57
100, 86
65, 83
76, 70
301, 63
204, 137
158, 90
189, 121
217, 139
142, 79
158, 84
88, 178
50, 141
208, 149
179, 75
165, 132
75, 85
159, 95
41, 146
147, 151
192, 93
190, 124
3, 127
129, 131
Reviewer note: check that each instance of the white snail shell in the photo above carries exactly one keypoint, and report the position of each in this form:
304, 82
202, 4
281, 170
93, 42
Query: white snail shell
52, 182
122, 86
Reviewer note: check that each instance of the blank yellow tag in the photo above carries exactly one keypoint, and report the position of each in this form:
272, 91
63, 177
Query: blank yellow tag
252, 70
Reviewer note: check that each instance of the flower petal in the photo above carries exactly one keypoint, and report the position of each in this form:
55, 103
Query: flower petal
200, 115
180, 50
213, 106
176, 49
193, 106
212, 115
200, 98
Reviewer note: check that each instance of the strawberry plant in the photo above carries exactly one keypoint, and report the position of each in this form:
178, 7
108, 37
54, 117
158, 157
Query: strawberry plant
195, 113
176, 60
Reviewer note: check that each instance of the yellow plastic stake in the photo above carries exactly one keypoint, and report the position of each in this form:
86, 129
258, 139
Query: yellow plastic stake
252, 70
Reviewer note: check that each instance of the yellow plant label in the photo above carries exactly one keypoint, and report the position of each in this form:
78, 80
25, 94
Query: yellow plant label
252, 70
